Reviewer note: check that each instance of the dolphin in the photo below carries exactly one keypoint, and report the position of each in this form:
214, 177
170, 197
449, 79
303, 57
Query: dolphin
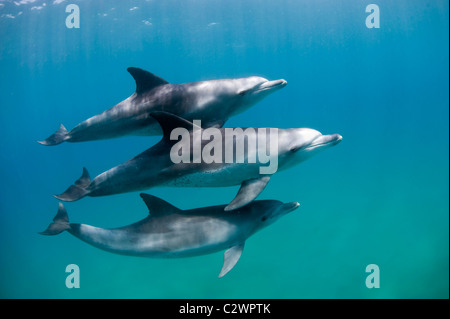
213, 102
170, 232
155, 167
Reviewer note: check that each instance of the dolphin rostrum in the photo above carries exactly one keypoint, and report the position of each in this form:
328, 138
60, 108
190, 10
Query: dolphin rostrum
155, 166
213, 102
171, 232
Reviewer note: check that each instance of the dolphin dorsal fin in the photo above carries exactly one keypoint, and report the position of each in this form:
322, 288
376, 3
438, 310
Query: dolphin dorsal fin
169, 122
145, 80
157, 206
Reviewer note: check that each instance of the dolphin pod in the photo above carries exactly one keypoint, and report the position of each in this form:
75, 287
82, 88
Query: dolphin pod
213, 102
176, 110
169, 232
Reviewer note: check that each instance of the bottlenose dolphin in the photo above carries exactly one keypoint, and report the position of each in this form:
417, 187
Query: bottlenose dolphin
154, 167
170, 232
213, 102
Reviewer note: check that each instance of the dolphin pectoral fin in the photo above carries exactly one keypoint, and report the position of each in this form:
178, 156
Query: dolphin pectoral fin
77, 191
230, 258
145, 80
57, 138
250, 189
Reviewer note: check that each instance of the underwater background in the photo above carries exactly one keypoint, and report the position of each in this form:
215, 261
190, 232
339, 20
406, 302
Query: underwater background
379, 197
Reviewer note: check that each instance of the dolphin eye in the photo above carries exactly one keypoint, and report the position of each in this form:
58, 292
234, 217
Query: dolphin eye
264, 218
243, 92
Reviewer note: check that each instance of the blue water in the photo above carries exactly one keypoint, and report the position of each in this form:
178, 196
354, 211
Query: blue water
380, 197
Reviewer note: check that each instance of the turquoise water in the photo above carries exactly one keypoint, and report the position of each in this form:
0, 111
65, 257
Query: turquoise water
380, 197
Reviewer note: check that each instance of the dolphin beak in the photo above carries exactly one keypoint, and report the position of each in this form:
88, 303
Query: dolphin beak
269, 85
334, 139
325, 140
289, 207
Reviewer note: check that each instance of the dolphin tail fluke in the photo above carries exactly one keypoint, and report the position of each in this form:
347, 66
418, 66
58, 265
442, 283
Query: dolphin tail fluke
60, 223
57, 138
78, 190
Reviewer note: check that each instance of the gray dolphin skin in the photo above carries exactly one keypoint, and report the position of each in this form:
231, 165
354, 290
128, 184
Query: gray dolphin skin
169, 232
154, 167
213, 102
